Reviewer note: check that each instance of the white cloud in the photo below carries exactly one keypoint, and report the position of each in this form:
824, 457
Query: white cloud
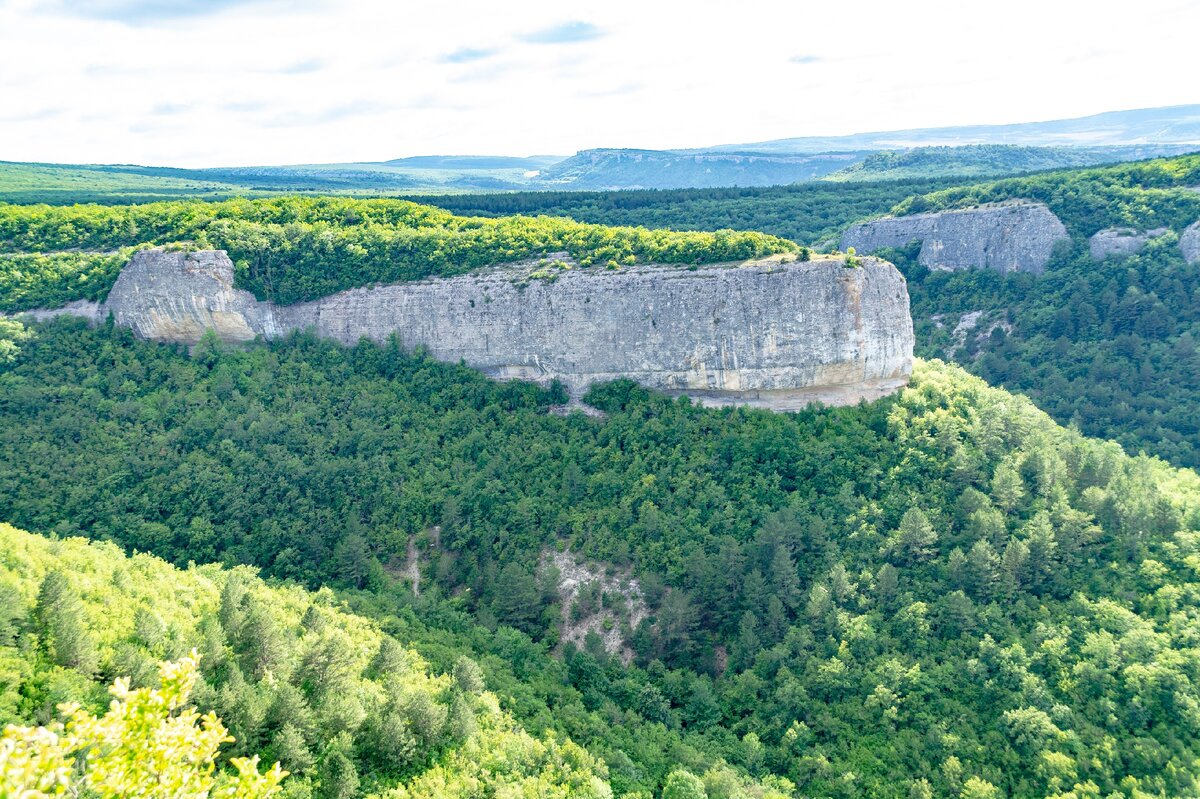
257, 82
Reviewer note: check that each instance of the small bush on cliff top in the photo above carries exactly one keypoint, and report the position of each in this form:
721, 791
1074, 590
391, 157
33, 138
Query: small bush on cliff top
294, 249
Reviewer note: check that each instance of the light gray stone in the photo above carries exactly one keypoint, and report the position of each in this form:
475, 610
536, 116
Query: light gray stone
1121, 242
176, 296
776, 333
85, 309
1189, 243
1008, 237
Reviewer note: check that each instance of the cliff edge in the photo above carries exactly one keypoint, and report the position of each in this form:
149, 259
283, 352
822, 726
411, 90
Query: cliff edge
1008, 237
776, 333
1189, 243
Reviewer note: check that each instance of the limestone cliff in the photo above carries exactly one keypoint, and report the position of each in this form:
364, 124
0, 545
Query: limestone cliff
1009, 237
1189, 243
774, 333
1121, 242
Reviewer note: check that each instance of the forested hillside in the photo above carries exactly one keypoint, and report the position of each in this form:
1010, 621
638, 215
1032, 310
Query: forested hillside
129, 183
1109, 347
294, 249
808, 212
1141, 195
346, 709
939, 594
984, 160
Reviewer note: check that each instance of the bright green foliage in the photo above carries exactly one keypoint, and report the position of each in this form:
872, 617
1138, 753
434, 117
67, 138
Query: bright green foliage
311, 698
500, 763
803, 212
975, 788
683, 784
150, 743
1045, 620
1144, 194
1109, 347
59, 624
36, 280
293, 249
12, 333
1113, 347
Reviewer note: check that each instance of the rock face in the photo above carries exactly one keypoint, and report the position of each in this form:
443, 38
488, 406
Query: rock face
176, 296
1189, 243
773, 333
1121, 242
1010, 237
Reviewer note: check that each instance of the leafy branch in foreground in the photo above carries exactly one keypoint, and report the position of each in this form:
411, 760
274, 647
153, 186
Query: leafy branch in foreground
150, 743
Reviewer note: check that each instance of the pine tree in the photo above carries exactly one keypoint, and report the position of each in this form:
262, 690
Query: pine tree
776, 623
1007, 487
983, 570
58, 621
339, 776
956, 568
748, 643
915, 540
468, 676
515, 599
887, 582
784, 580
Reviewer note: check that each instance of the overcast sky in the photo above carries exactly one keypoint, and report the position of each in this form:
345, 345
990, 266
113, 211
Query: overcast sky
238, 82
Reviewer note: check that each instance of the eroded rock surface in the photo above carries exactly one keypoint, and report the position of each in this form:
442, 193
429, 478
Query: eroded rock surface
598, 600
1008, 237
176, 296
1189, 243
775, 333
94, 312
1121, 242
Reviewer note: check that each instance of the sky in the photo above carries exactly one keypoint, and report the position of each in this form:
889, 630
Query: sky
253, 82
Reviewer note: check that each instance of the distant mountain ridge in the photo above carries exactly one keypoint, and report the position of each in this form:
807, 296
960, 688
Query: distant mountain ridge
475, 161
989, 160
661, 169
1179, 124
963, 151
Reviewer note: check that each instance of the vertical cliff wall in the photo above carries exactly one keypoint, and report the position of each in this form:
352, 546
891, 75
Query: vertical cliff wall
1009, 237
1189, 243
775, 333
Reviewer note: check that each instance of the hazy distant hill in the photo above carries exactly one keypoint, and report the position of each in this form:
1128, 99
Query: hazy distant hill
984, 160
1178, 124
64, 183
474, 162
970, 151
661, 169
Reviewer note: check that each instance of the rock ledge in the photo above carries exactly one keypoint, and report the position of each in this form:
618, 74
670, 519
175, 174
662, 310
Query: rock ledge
776, 333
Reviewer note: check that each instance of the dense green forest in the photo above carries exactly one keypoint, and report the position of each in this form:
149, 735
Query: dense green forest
1142, 195
1110, 348
809, 213
130, 183
939, 594
990, 160
346, 709
292, 249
